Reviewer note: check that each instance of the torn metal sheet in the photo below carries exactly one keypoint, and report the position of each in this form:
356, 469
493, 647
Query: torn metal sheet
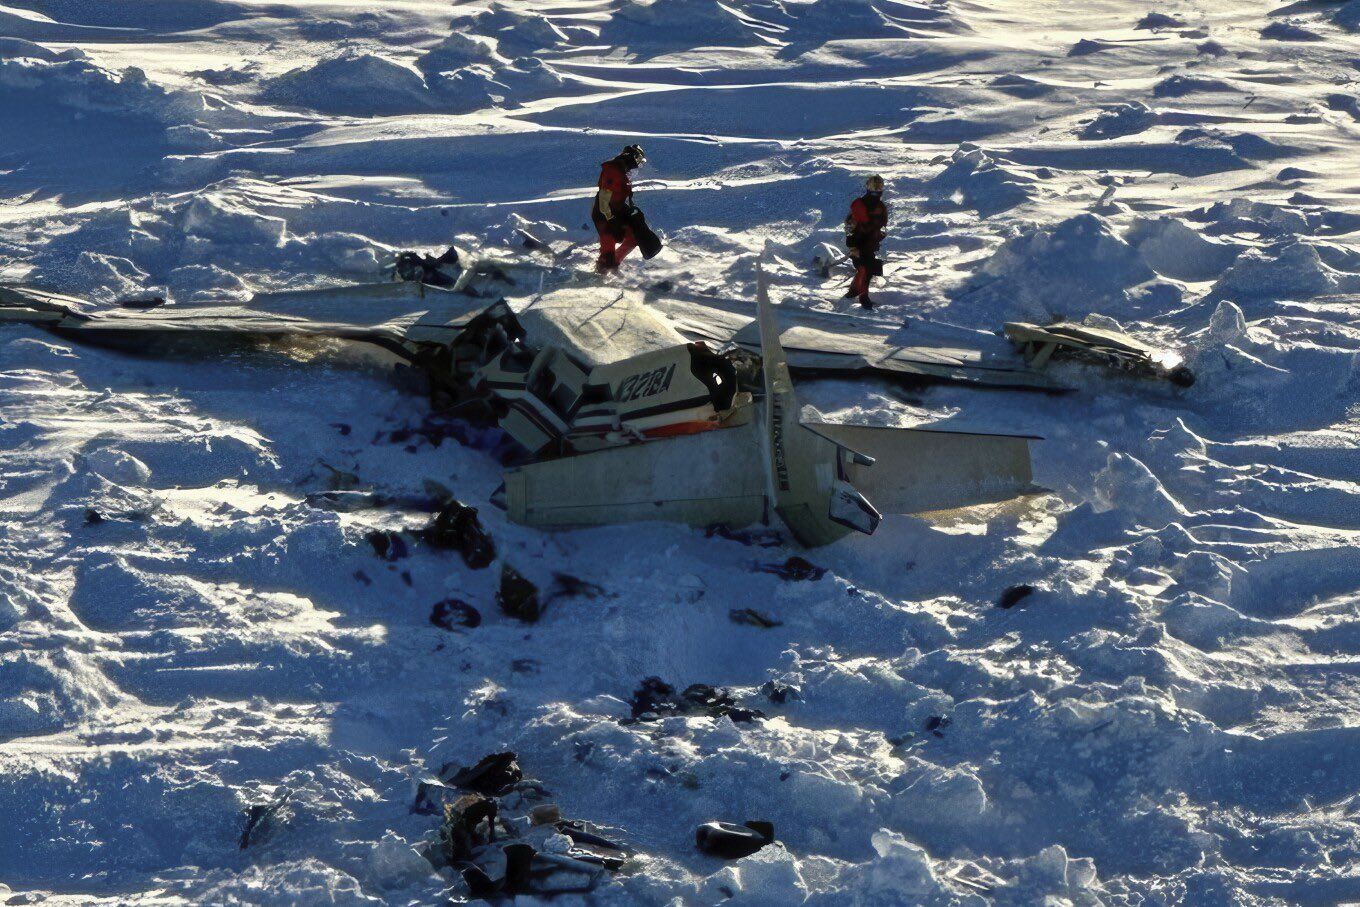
1103, 345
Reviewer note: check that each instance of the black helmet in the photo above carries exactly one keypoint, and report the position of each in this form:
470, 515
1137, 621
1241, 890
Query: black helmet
633, 156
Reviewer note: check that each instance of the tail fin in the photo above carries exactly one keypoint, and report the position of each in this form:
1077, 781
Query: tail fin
806, 471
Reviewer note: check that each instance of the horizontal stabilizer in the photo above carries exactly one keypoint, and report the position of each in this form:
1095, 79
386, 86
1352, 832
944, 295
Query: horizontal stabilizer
919, 470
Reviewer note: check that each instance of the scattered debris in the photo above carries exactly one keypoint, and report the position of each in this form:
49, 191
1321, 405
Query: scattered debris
260, 818
493, 775
779, 692
897, 741
732, 842
452, 613
463, 831
96, 517
456, 527
936, 724
656, 699
1013, 595
795, 569
1104, 344
1156, 20
427, 269
753, 618
759, 538
545, 814
500, 852
567, 586
388, 545
429, 794
518, 597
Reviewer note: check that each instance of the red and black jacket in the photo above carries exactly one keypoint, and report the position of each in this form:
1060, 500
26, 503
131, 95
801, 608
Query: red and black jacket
614, 178
867, 222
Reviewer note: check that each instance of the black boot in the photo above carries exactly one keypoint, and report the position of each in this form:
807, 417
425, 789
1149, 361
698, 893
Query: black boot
865, 301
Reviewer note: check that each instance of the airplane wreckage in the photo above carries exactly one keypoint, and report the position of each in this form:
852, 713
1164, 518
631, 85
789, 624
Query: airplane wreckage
634, 406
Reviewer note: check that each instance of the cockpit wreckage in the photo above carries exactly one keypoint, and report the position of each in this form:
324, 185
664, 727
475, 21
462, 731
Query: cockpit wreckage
632, 406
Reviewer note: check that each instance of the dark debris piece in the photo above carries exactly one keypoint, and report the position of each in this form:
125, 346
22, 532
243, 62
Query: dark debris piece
1013, 595
594, 847
469, 823
259, 818
732, 842
779, 692
518, 597
759, 538
94, 517
567, 586
429, 797
494, 775
937, 723
434, 429
491, 853
388, 545
795, 568
753, 618
452, 613
656, 699
455, 527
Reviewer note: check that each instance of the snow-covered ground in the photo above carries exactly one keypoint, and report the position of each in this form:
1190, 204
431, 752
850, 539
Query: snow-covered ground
1172, 717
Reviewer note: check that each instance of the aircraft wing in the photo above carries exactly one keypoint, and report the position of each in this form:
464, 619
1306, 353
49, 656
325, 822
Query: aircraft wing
382, 312
827, 343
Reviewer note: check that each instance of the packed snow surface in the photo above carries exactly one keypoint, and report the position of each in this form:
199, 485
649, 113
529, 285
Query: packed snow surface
1171, 716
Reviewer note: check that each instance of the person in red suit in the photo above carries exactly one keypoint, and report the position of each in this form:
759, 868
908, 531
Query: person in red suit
865, 228
614, 208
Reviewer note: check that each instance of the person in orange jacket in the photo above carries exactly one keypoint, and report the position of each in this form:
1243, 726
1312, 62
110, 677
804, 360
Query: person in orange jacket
865, 227
614, 209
